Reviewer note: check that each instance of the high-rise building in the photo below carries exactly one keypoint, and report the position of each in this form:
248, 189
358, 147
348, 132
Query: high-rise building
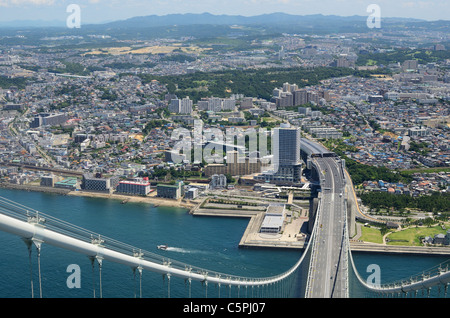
170, 191
175, 105
99, 183
136, 187
286, 142
286, 87
181, 106
45, 119
300, 97
202, 104
286, 99
228, 104
286, 157
410, 65
186, 106
48, 180
215, 104
246, 103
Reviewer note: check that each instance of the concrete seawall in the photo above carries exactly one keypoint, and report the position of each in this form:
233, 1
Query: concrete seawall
34, 188
398, 249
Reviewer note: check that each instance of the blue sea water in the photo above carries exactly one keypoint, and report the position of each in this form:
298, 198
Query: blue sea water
207, 242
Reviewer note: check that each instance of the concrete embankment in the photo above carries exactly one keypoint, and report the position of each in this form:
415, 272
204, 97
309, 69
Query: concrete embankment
397, 249
35, 188
225, 212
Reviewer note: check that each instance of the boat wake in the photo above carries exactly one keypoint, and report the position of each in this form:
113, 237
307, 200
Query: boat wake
185, 250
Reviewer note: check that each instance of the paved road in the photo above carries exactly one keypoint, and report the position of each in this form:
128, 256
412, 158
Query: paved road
328, 276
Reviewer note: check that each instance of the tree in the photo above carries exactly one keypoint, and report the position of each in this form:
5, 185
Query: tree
230, 178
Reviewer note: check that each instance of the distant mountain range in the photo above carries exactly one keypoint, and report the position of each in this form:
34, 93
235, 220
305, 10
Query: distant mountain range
207, 18
179, 25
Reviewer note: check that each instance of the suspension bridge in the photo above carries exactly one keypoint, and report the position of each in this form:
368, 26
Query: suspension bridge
325, 269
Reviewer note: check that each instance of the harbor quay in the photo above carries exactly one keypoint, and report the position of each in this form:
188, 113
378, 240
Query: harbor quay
289, 230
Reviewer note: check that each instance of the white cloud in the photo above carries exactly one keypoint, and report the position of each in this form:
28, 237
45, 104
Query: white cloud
8, 3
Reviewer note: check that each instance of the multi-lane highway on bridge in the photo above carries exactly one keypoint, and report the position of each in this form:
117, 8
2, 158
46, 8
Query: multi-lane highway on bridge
329, 269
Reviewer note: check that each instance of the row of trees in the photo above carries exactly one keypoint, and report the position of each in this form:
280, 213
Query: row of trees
436, 202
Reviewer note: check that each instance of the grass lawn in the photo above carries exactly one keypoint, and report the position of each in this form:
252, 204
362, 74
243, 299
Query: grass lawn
411, 236
372, 235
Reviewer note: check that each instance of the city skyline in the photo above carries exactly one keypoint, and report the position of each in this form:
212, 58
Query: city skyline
54, 10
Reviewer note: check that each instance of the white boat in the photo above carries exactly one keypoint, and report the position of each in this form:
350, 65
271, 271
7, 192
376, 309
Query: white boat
162, 247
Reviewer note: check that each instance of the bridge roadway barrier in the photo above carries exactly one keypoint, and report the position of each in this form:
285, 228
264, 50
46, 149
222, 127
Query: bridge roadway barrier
398, 249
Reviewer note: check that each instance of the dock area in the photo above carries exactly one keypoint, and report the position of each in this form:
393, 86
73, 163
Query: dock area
290, 237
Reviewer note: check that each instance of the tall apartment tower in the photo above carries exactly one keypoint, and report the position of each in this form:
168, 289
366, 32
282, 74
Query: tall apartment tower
186, 106
181, 106
287, 168
175, 105
286, 142
215, 104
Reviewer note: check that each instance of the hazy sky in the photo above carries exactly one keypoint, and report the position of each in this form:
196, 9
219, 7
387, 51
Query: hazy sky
96, 11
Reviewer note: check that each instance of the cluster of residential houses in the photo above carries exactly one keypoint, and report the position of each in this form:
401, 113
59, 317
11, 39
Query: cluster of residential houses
71, 120
421, 184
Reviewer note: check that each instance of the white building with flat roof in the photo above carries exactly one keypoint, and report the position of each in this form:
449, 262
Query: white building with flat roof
274, 219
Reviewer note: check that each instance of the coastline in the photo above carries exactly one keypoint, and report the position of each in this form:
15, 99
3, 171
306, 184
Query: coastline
247, 240
121, 197
35, 188
140, 199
